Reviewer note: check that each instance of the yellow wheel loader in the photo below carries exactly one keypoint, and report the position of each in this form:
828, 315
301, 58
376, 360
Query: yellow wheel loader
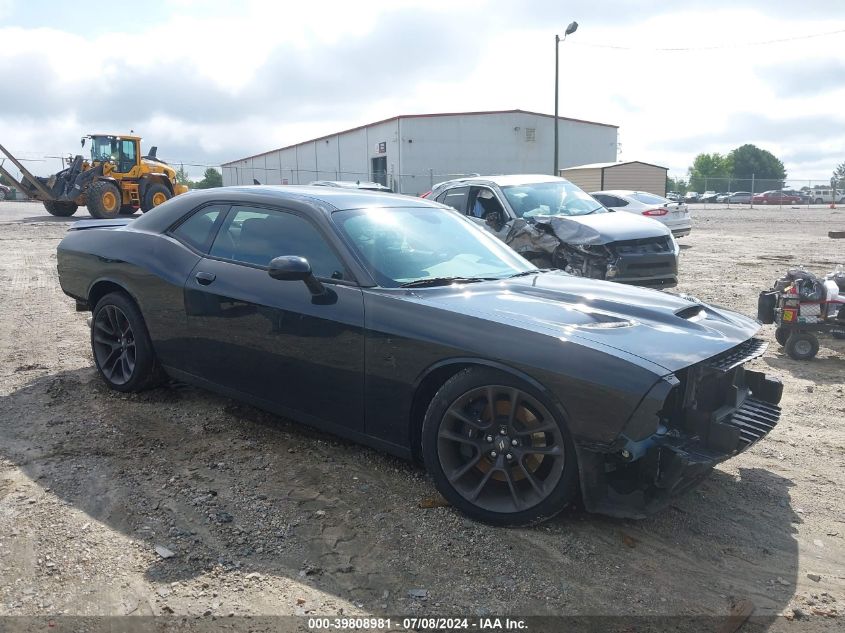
115, 180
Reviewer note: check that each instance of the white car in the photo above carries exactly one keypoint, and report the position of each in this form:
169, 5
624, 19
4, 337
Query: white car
675, 215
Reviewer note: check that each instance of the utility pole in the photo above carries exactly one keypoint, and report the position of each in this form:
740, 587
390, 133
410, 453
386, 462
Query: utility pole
573, 26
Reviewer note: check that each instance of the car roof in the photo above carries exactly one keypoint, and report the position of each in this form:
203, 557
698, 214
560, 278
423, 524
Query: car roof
626, 192
503, 180
324, 200
349, 184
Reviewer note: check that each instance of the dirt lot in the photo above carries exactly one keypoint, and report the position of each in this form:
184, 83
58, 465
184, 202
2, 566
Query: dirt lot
266, 517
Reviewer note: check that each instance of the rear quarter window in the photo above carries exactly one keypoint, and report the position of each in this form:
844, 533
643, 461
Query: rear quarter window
198, 230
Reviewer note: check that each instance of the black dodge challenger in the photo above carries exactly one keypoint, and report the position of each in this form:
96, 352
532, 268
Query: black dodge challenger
397, 322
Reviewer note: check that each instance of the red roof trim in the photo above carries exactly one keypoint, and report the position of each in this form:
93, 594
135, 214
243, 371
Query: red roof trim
418, 116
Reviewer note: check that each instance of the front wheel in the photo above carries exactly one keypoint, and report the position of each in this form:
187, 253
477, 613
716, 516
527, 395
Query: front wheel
60, 209
123, 351
104, 200
496, 451
782, 335
802, 346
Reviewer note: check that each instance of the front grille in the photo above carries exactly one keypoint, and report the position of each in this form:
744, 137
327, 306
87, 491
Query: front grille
754, 420
643, 246
736, 356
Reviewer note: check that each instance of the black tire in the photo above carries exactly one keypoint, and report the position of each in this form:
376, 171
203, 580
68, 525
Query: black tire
123, 352
819, 201
104, 200
61, 209
2, 194
802, 346
127, 209
153, 195
782, 335
503, 469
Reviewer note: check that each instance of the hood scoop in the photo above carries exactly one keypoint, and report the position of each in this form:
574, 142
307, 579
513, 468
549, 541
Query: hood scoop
692, 313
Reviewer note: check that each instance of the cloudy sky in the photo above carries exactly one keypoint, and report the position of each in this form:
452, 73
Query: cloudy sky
210, 81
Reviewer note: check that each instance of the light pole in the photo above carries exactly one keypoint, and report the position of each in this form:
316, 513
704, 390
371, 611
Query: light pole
573, 26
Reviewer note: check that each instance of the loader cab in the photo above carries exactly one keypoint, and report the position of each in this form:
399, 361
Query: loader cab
121, 151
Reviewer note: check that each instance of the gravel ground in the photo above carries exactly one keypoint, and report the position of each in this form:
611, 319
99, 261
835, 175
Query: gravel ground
176, 501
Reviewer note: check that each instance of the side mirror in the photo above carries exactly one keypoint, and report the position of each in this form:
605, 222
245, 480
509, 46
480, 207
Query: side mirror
294, 268
494, 220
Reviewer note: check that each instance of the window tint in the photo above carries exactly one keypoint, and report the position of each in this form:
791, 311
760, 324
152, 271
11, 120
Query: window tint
255, 236
197, 230
455, 198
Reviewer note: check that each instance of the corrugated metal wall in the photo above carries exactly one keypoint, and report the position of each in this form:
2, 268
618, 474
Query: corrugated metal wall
587, 179
635, 176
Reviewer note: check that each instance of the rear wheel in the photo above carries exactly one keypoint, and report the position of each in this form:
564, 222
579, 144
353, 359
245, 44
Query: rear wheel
104, 200
61, 209
802, 346
2, 194
155, 195
782, 335
122, 348
496, 451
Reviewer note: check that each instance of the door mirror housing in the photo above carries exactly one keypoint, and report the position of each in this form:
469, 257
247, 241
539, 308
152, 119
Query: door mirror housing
295, 268
494, 220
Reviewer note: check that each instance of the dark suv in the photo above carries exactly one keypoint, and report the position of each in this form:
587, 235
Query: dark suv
554, 224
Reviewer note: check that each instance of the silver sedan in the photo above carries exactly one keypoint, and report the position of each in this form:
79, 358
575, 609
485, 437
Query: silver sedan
675, 215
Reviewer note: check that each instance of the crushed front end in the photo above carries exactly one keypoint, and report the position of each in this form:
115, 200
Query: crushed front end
690, 421
649, 261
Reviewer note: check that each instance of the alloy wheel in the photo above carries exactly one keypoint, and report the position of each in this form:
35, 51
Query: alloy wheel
500, 449
114, 344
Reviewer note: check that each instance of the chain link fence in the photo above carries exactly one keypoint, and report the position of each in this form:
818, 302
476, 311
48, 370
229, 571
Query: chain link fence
751, 191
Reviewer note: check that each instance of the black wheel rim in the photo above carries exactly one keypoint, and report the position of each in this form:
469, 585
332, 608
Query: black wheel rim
114, 344
500, 449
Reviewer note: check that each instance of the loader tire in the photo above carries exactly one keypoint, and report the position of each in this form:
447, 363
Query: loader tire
104, 200
61, 209
155, 195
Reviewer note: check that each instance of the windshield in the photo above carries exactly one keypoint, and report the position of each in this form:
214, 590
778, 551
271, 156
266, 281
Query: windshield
558, 197
104, 148
404, 245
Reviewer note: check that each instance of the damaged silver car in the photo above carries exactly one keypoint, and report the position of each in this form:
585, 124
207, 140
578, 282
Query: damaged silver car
554, 224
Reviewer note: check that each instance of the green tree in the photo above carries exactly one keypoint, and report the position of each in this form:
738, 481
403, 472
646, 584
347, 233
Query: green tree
768, 170
678, 185
183, 179
212, 178
839, 175
710, 172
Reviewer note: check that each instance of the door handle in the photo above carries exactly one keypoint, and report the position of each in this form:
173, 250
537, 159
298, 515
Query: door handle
205, 278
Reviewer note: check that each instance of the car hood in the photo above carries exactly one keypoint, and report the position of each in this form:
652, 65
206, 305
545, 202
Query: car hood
602, 228
664, 329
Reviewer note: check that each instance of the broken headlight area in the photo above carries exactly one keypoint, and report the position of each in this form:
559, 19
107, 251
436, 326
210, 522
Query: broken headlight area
586, 260
689, 422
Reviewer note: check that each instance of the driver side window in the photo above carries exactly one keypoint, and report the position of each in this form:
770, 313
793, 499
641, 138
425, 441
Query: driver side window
252, 235
484, 202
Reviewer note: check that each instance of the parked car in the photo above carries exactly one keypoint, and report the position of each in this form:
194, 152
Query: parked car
691, 196
675, 215
674, 196
708, 196
825, 196
802, 196
554, 224
5, 192
739, 197
400, 324
776, 197
723, 197
352, 184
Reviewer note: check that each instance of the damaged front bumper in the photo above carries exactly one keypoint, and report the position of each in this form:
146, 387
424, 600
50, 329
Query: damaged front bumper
687, 424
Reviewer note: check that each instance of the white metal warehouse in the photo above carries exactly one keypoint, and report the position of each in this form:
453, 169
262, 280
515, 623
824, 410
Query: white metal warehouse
410, 153
634, 175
